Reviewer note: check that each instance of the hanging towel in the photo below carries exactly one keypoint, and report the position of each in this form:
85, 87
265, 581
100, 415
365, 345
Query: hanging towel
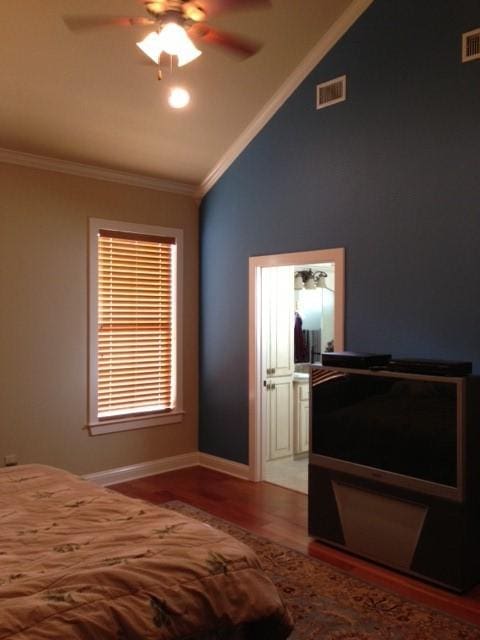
300, 348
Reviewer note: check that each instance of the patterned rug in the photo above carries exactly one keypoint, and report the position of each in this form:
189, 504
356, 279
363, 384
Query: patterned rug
327, 604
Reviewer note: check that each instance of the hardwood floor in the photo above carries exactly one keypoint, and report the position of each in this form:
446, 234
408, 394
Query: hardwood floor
281, 515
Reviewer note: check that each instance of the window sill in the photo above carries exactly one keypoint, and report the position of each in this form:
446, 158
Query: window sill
132, 423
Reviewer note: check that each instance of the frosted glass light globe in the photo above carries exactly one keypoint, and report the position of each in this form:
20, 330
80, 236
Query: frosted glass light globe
173, 39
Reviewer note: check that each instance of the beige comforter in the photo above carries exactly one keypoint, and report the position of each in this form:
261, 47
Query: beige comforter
78, 562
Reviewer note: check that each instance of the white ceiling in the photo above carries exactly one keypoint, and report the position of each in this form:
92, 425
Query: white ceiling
89, 98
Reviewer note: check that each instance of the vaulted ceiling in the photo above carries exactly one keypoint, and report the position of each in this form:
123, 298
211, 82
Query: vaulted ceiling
90, 98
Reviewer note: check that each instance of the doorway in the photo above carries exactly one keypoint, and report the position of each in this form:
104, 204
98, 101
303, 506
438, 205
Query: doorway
278, 387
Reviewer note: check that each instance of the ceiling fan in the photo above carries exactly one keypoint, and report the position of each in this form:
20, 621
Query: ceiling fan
177, 26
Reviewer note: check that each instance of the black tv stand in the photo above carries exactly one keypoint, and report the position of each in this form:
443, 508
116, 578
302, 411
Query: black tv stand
427, 534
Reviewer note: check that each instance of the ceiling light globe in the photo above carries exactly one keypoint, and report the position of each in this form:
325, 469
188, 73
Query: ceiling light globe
188, 54
173, 39
178, 98
151, 46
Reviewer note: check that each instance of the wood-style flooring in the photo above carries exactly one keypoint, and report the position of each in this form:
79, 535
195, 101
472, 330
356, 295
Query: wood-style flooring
281, 516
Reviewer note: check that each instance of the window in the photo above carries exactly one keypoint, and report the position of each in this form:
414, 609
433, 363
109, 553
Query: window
134, 332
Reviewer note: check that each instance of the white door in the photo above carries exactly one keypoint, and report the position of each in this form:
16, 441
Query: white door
257, 393
277, 360
278, 320
280, 417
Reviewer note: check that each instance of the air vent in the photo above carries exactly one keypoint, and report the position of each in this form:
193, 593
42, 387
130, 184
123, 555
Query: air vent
471, 45
331, 92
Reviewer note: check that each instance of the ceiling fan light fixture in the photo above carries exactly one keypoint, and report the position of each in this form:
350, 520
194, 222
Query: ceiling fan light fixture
150, 46
172, 39
188, 54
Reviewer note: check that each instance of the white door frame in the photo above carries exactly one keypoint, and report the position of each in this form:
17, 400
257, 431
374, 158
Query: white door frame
255, 264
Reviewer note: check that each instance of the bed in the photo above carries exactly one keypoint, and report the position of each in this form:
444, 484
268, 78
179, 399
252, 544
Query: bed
82, 562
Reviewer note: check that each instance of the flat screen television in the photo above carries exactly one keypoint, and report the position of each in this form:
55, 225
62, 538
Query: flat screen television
397, 428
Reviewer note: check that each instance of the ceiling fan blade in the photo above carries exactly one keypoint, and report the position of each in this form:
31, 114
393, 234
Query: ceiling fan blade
232, 43
216, 7
84, 23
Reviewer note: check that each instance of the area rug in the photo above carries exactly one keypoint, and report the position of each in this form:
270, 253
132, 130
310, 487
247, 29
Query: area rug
327, 604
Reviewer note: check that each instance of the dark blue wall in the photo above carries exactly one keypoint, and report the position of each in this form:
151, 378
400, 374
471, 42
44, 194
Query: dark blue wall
392, 175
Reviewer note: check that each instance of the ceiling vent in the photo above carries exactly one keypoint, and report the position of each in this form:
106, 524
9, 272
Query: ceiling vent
471, 45
331, 92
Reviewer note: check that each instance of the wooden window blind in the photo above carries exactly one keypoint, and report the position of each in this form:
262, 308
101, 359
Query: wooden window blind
135, 324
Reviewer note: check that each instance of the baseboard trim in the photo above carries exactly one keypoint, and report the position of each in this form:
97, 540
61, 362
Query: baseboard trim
173, 463
143, 469
229, 467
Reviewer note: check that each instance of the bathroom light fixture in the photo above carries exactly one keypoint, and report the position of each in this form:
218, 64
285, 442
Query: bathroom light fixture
171, 39
309, 282
298, 281
309, 279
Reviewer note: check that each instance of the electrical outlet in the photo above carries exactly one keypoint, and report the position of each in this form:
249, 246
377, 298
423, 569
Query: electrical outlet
11, 460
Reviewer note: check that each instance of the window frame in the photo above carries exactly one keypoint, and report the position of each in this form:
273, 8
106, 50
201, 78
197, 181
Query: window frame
98, 426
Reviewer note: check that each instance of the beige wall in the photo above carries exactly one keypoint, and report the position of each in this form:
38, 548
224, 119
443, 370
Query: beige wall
43, 319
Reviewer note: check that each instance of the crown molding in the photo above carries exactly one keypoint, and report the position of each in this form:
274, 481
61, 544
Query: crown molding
10, 156
331, 37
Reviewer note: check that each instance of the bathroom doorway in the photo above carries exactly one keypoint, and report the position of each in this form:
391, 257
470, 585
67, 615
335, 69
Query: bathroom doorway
284, 289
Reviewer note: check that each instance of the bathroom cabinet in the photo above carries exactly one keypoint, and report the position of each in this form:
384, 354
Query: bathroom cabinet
300, 415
